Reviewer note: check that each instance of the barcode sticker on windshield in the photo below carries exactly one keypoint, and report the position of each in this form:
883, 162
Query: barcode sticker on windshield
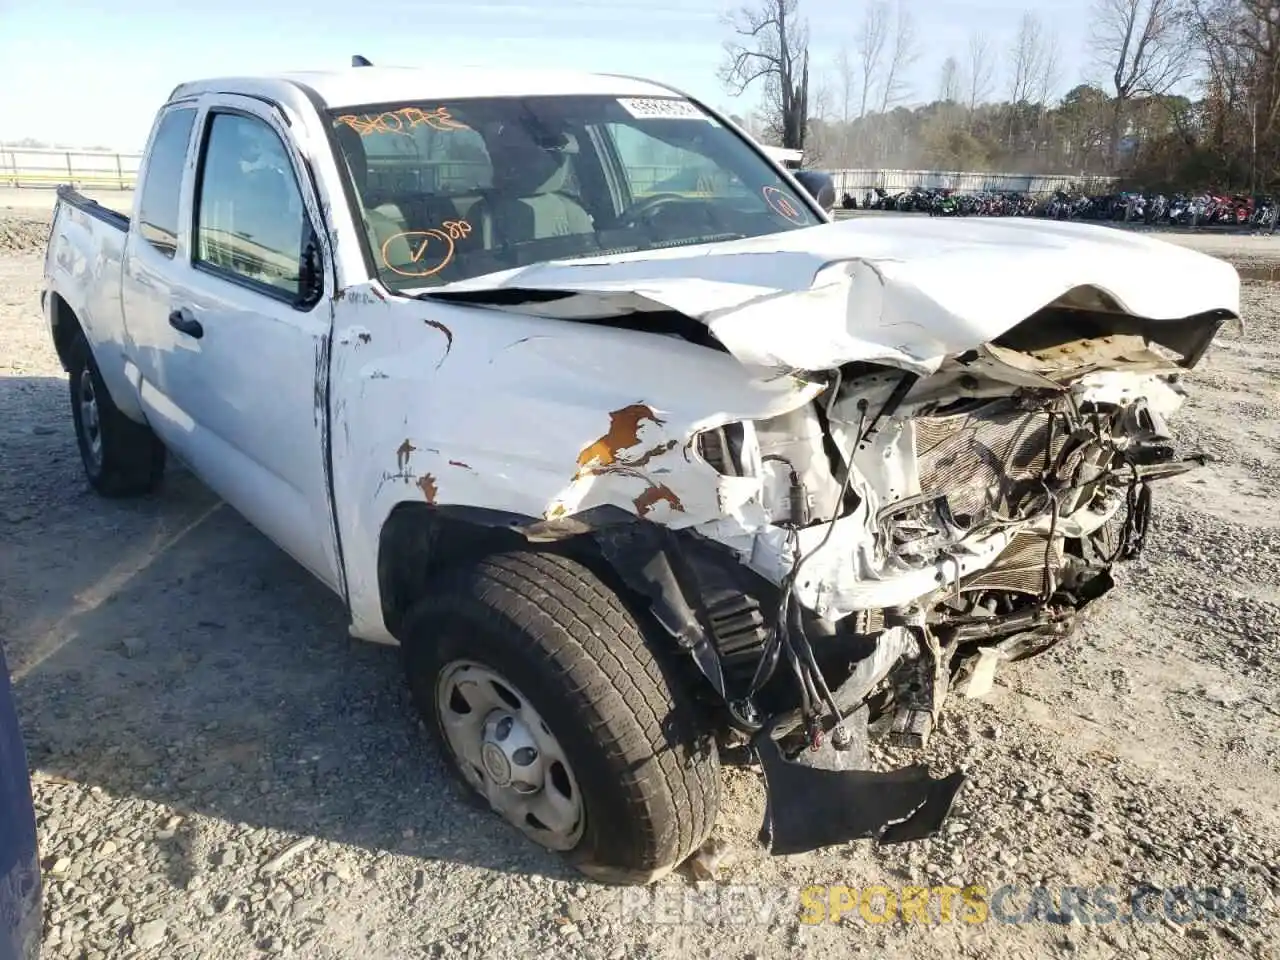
652, 108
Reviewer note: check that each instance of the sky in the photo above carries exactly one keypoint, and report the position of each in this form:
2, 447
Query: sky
92, 72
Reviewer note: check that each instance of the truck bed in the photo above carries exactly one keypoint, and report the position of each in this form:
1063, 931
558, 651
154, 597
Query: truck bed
73, 197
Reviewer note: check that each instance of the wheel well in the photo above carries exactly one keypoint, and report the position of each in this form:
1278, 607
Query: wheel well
419, 541
65, 327
415, 544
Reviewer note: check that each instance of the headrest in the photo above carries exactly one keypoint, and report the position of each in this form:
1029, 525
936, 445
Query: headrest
527, 162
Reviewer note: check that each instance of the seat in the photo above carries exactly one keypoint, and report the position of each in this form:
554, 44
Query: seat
527, 200
384, 225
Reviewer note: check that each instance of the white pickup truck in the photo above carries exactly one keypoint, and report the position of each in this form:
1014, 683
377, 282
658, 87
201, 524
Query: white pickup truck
562, 385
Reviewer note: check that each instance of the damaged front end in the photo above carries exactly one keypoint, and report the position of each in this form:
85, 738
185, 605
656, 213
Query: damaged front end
918, 531
946, 487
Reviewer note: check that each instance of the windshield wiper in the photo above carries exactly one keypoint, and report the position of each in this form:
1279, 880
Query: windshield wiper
693, 242
660, 245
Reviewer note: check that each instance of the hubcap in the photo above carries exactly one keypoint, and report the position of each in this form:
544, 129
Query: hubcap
508, 754
89, 417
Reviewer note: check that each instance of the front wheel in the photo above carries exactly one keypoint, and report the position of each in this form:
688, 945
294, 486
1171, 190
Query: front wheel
553, 704
121, 457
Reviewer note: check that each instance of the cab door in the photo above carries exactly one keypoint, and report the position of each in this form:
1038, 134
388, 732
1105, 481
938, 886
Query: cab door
155, 255
246, 378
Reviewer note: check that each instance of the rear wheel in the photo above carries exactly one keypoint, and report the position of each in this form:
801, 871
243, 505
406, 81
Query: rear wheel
121, 457
553, 706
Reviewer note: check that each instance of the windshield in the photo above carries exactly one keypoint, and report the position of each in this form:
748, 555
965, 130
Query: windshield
450, 191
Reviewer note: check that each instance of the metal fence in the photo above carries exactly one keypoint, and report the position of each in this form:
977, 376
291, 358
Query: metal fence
857, 182
93, 169
21, 167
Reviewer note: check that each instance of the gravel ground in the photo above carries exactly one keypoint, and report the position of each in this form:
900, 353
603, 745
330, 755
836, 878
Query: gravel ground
19, 235
221, 772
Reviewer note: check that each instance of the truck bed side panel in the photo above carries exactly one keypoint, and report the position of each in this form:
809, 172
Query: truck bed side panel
83, 267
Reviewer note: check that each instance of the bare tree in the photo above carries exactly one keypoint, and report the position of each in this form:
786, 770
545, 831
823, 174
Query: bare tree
1032, 64
949, 81
1257, 67
872, 36
1043, 84
822, 99
1217, 28
846, 83
1026, 58
772, 46
902, 54
1141, 45
981, 70
846, 91
755, 125
1046, 80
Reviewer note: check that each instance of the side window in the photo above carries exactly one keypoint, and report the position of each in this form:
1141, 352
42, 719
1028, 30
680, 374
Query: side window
655, 166
250, 218
162, 186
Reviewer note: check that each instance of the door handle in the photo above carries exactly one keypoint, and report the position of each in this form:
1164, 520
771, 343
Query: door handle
182, 321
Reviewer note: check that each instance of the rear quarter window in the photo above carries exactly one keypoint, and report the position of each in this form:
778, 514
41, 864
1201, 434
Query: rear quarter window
162, 183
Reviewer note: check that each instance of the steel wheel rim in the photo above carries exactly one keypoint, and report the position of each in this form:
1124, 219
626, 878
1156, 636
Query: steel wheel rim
90, 422
508, 754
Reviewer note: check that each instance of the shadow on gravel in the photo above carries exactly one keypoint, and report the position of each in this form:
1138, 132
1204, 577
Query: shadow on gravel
162, 648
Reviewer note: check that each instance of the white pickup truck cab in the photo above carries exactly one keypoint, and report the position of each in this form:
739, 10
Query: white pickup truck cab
561, 384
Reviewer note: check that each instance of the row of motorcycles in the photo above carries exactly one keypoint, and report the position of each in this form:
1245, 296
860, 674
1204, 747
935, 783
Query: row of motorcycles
1190, 210
1187, 210
945, 203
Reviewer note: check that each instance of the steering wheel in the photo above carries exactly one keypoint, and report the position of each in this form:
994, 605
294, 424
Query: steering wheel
646, 205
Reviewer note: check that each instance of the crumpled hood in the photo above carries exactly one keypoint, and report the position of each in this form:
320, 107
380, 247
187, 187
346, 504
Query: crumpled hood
905, 291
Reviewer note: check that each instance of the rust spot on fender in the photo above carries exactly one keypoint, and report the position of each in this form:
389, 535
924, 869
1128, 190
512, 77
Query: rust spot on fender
448, 338
624, 432
653, 496
459, 463
402, 455
427, 484
657, 451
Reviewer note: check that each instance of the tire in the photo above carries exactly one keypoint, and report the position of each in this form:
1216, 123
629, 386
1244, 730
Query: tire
644, 769
127, 459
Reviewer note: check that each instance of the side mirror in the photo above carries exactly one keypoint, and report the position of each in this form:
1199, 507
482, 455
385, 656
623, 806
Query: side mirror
820, 186
310, 272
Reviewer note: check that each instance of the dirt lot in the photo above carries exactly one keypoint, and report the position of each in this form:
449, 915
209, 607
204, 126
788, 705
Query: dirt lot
222, 772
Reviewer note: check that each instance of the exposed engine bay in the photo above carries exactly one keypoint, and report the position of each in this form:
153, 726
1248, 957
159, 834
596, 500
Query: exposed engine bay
984, 508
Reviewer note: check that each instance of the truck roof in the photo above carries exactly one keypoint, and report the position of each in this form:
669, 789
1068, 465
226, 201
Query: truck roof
359, 85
